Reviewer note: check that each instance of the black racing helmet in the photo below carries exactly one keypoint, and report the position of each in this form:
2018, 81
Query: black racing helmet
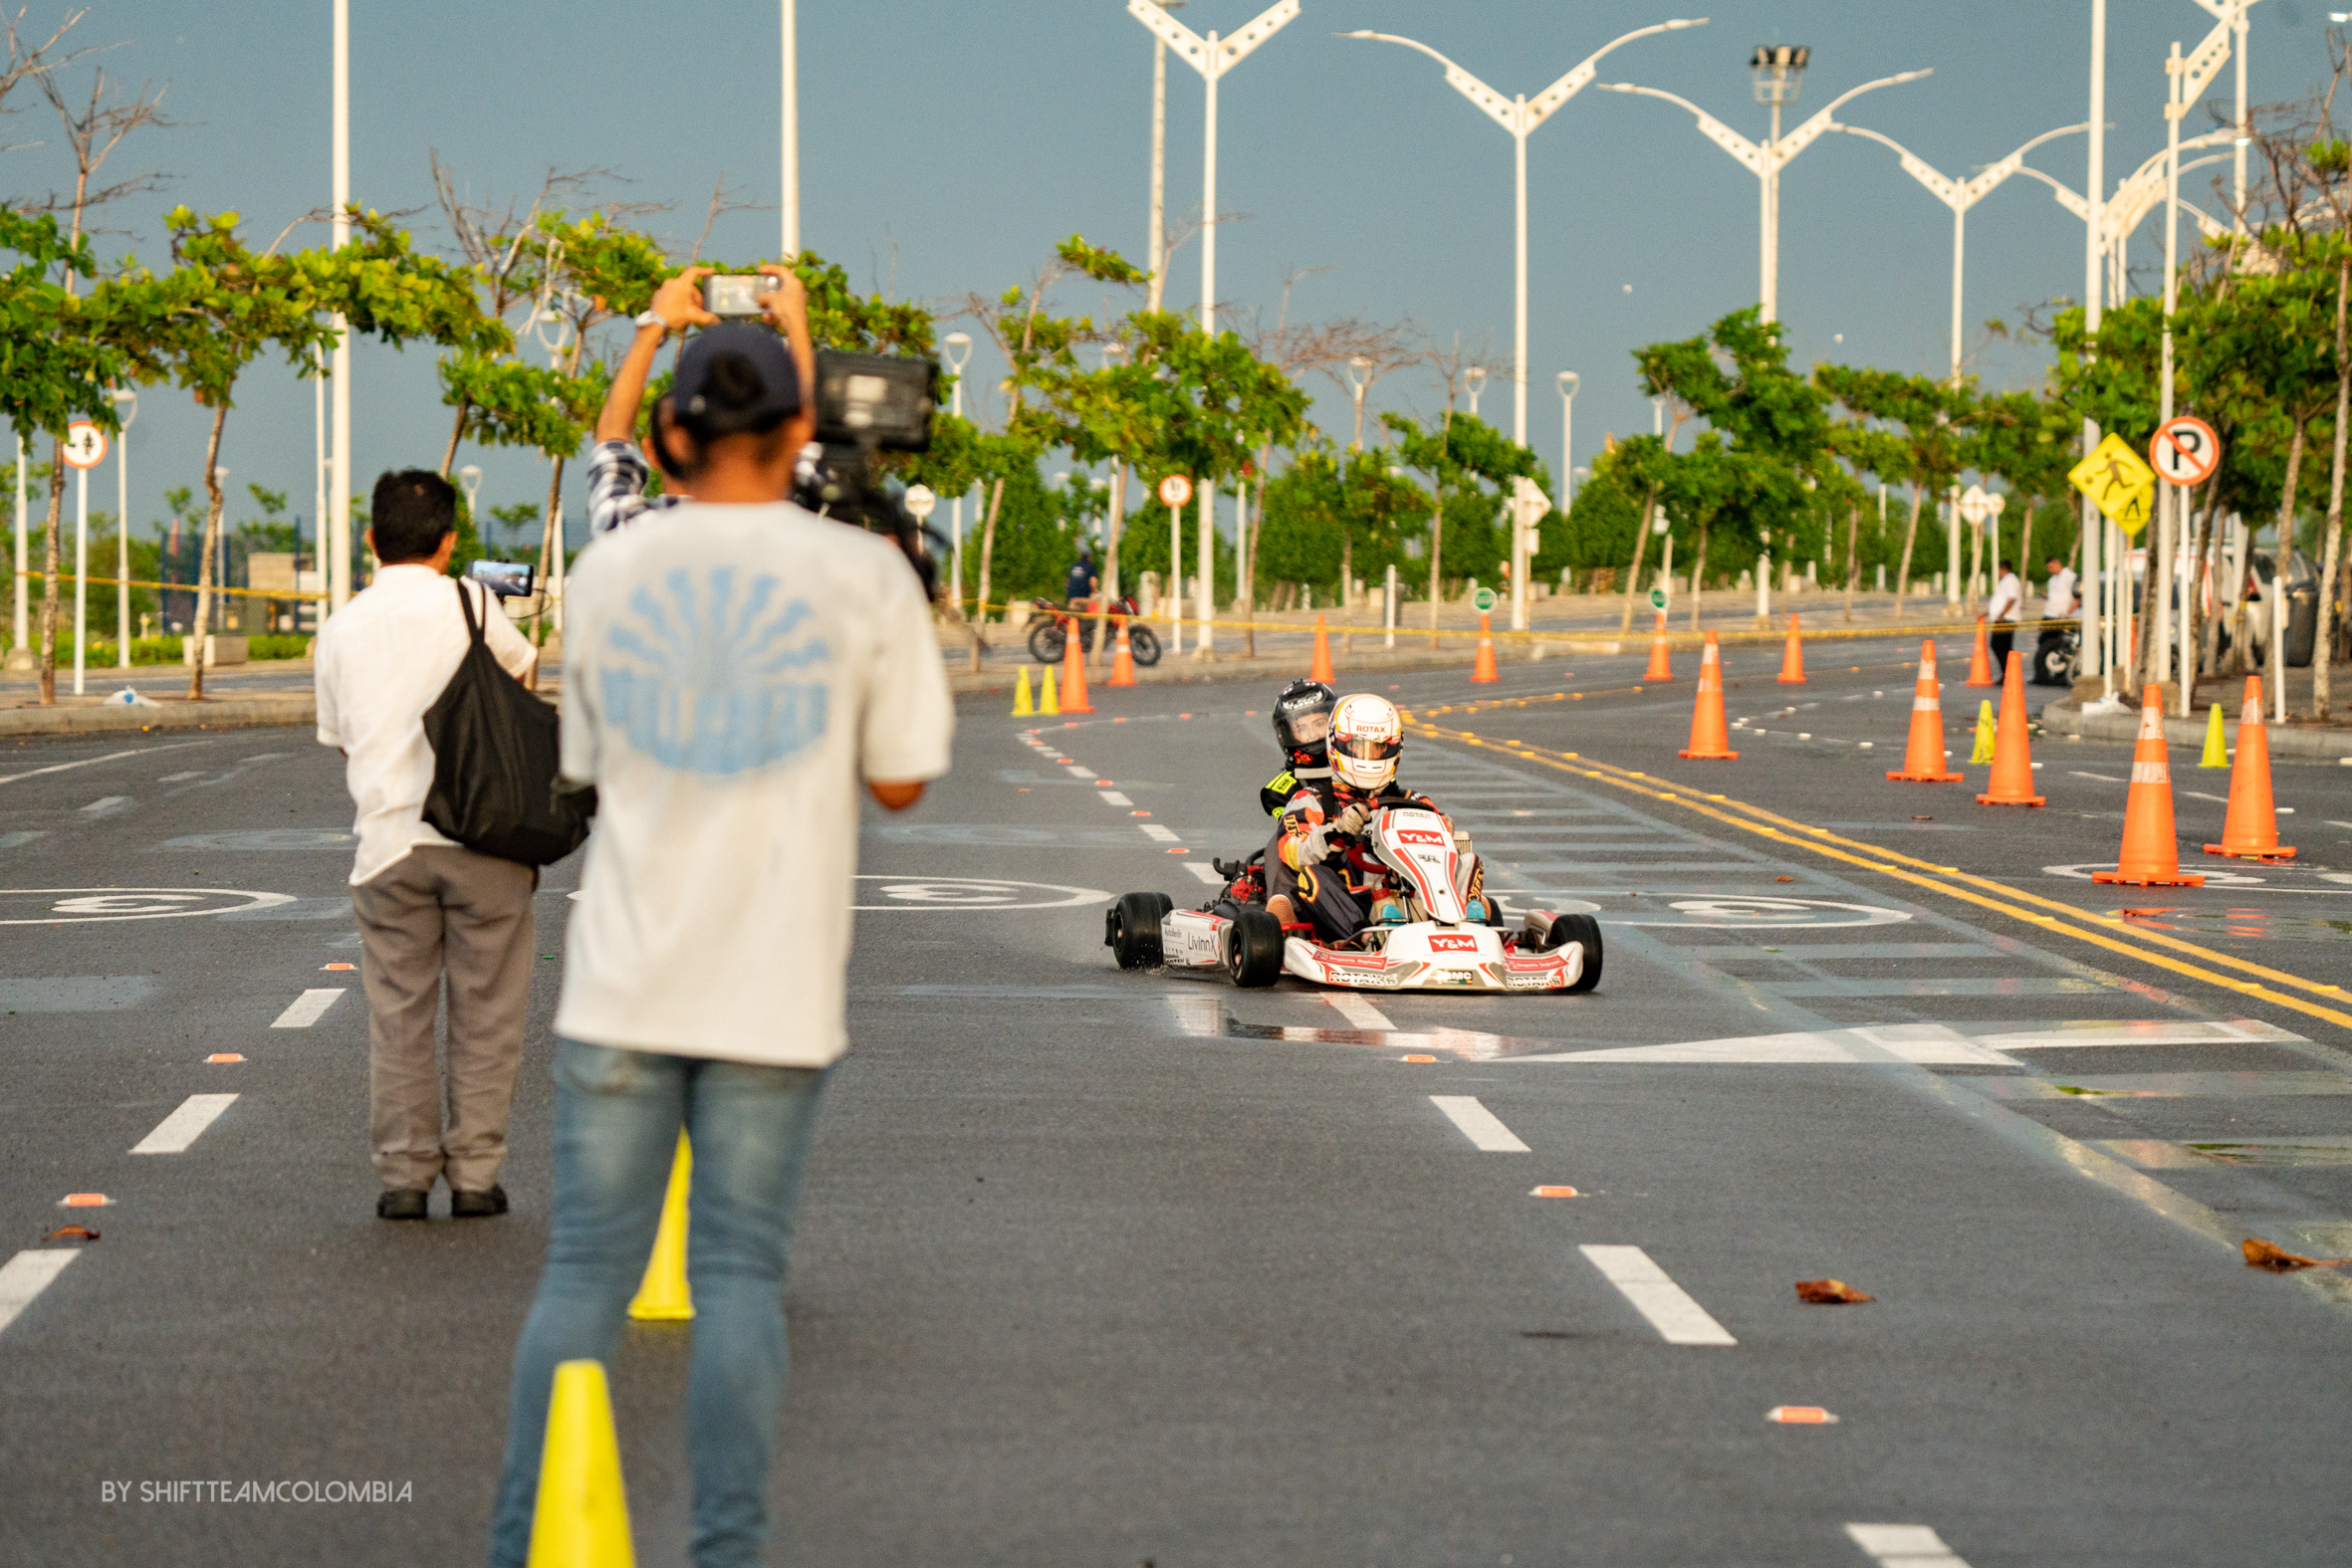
1302, 723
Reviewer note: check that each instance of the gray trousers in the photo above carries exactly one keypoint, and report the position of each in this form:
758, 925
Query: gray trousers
443, 909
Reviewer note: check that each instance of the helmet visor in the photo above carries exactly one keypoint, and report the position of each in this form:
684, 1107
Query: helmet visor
1369, 749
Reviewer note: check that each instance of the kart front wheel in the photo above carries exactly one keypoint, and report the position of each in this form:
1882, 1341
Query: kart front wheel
1585, 931
1132, 928
1253, 950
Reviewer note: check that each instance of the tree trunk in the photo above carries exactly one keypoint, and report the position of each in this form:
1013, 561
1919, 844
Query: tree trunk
1699, 569
2026, 555
50, 573
1853, 557
456, 434
1110, 563
1437, 540
1257, 537
204, 582
2323, 647
549, 545
988, 550
1910, 538
1641, 544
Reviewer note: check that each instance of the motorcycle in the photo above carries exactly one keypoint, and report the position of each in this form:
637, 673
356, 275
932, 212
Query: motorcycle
1050, 636
2057, 656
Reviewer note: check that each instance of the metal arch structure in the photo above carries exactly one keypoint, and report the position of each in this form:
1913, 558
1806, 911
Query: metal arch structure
1766, 160
1960, 195
2135, 196
1518, 117
1211, 56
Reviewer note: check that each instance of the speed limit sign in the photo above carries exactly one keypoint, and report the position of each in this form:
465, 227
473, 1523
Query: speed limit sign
85, 445
2184, 451
1175, 490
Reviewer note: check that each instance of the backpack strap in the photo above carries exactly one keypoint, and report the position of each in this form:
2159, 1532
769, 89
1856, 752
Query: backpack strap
477, 630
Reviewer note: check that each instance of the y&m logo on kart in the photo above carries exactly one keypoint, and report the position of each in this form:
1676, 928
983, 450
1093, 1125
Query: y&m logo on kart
1418, 836
1440, 943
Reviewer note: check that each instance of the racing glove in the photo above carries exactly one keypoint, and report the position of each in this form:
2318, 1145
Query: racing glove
1314, 845
1352, 821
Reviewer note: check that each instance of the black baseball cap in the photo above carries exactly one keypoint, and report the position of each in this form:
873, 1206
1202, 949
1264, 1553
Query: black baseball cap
729, 402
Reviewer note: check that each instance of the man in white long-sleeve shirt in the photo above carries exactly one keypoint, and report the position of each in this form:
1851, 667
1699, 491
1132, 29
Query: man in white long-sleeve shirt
2008, 597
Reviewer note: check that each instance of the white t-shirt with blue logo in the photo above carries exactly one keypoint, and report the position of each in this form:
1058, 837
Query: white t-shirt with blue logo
731, 680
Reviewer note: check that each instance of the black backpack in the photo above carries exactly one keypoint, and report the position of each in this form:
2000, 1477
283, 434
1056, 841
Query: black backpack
495, 757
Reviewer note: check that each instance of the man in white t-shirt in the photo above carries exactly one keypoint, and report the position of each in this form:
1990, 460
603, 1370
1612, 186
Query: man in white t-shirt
2008, 597
734, 679
426, 906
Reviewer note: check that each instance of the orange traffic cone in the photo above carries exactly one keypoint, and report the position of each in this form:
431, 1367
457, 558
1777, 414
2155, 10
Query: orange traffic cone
2012, 753
1073, 671
2250, 831
1923, 758
1792, 658
1122, 660
1483, 670
1659, 670
1710, 739
1323, 654
2151, 856
1981, 661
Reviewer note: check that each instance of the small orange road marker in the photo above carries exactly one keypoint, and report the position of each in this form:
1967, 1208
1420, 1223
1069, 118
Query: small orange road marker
225, 1055
1553, 1192
338, 965
85, 1200
1800, 1416
1416, 1058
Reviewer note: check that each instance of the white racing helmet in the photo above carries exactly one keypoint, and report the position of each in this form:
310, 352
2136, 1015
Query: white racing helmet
1367, 738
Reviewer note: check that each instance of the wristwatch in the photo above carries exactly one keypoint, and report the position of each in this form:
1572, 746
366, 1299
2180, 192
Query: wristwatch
651, 319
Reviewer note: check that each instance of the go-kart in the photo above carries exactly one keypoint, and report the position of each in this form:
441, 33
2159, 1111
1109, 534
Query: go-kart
1437, 947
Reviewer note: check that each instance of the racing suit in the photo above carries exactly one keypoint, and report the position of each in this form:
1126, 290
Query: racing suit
1338, 892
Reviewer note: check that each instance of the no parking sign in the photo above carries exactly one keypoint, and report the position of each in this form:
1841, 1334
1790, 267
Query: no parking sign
2184, 451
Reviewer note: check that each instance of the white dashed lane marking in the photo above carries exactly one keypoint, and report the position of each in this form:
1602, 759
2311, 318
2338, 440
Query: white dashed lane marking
1356, 1010
1166, 836
1904, 1546
1113, 797
105, 805
26, 1275
1087, 773
307, 1009
1678, 1319
1480, 1125
183, 1127
1204, 871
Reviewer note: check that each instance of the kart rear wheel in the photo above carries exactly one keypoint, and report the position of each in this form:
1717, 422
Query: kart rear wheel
1584, 930
1254, 949
1132, 928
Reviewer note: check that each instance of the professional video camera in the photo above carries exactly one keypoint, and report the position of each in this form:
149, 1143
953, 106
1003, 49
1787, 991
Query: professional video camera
868, 404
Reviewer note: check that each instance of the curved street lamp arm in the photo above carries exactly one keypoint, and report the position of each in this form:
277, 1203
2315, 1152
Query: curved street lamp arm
1750, 157
1946, 189
1808, 133
1499, 109
2064, 195
1541, 107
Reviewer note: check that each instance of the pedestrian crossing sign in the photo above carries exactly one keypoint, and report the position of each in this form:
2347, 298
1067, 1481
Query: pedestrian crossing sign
2118, 483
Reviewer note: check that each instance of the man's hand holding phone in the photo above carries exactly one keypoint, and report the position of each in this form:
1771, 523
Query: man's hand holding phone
679, 302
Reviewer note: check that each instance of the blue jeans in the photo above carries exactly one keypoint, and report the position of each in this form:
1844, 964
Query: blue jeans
618, 1115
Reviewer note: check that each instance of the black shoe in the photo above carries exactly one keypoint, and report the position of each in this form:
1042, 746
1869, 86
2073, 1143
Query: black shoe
401, 1203
477, 1206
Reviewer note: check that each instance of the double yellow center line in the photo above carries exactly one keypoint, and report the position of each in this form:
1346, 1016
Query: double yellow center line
2316, 999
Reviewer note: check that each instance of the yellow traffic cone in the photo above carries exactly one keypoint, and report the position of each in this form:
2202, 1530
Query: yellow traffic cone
2216, 745
663, 1295
1985, 735
1047, 701
582, 1517
1022, 707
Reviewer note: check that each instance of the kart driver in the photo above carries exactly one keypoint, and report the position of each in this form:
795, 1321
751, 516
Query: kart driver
1302, 729
1336, 883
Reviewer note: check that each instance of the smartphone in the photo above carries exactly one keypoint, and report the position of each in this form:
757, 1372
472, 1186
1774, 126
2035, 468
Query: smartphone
509, 579
725, 294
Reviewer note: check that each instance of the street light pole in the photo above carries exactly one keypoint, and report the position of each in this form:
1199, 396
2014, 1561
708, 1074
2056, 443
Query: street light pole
958, 353
791, 132
1768, 160
1474, 382
1519, 115
126, 400
1360, 372
339, 498
1567, 439
19, 655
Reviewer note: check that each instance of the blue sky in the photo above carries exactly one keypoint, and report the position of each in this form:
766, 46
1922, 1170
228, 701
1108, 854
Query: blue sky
945, 147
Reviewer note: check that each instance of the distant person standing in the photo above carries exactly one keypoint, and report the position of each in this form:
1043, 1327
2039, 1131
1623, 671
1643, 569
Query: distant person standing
2008, 598
2059, 599
427, 907
736, 678
1079, 590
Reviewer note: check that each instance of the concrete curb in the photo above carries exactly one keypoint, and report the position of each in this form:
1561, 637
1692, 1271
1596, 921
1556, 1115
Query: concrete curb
228, 713
1175, 671
2065, 717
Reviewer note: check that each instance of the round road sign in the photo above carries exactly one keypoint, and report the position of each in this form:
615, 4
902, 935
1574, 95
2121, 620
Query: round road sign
1483, 601
2184, 451
1175, 490
85, 445
921, 502
1657, 599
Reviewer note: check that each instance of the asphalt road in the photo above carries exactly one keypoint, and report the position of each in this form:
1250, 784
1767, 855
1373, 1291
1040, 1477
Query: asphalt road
1122, 1269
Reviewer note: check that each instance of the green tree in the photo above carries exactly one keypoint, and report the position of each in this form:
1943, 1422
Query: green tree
1463, 456
1930, 420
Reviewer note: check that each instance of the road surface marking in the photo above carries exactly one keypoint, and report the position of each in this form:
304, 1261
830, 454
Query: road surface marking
104, 804
2102, 778
1166, 836
27, 1274
2199, 794
1087, 773
1113, 797
183, 1127
1678, 1319
306, 1009
1904, 1546
1204, 871
197, 772
88, 762
1480, 1125
1361, 1014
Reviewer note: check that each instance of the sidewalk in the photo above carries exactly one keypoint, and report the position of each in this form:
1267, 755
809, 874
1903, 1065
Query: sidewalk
2295, 738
